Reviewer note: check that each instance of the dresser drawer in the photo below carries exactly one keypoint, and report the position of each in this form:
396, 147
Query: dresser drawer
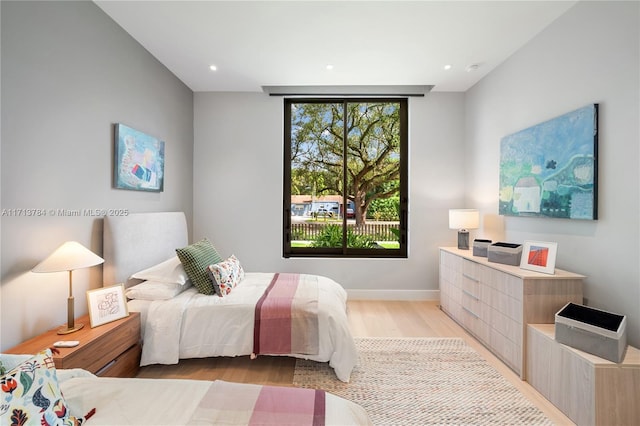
506, 326
471, 270
450, 277
505, 283
471, 303
506, 304
471, 286
475, 325
508, 351
450, 260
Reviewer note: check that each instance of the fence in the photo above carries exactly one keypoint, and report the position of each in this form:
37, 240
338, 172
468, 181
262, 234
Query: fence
306, 231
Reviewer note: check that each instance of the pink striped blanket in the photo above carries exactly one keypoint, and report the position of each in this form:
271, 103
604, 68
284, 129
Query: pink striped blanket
236, 403
286, 316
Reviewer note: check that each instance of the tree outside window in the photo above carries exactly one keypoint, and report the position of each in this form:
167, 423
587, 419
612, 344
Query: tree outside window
345, 177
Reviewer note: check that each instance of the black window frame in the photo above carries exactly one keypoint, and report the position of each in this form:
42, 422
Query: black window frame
344, 251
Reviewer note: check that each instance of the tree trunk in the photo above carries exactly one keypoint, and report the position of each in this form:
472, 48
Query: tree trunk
359, 211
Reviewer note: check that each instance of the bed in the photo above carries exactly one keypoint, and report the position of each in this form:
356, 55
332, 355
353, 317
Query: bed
35, 392
195, 325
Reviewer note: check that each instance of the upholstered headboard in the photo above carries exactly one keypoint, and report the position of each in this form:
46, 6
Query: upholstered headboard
138, 241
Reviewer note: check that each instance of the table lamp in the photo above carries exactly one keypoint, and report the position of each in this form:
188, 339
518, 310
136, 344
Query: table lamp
69, 256
463, 220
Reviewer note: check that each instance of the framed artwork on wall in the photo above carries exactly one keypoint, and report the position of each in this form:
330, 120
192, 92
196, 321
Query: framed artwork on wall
551, 169
107, 304
539, 256
139, 160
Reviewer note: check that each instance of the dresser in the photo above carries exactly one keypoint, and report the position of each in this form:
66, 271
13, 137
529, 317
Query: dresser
495, 302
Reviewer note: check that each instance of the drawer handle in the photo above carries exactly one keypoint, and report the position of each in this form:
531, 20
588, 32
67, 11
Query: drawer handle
472, 313
105, 368
473, 296
471, 278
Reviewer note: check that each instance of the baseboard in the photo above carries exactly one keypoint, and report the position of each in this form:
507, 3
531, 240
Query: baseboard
393, 294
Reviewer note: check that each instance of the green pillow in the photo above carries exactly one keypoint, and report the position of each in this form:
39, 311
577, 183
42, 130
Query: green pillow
195, 259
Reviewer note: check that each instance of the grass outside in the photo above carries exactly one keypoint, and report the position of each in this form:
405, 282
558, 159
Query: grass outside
389, 244
383, 244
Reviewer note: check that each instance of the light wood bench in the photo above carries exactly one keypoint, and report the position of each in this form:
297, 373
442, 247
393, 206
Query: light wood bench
590, 390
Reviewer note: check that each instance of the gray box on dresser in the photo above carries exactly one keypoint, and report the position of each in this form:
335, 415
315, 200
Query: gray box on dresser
592, 330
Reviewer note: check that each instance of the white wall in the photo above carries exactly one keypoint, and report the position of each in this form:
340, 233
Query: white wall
588, 55
62, 90
238, 163
68, 73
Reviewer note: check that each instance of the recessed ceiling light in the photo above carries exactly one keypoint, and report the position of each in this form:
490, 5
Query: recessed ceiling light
473, 67
329, 67
213, 68
447, 67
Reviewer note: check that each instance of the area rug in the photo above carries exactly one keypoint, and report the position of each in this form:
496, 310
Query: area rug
424, 381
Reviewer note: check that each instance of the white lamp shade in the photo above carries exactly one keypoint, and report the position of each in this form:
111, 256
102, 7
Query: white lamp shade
68, 257
464, 219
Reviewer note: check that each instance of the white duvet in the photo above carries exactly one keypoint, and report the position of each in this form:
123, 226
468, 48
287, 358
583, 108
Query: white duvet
193, 325
165, 401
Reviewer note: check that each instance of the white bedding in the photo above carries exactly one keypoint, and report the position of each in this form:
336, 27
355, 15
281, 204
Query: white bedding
193, 325
166, 402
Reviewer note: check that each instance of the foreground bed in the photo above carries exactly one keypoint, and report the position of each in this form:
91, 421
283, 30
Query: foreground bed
34, 392
195, 325
179, 402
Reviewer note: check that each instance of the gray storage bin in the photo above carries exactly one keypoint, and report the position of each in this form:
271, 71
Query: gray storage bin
506, 253
480, 247
592, 330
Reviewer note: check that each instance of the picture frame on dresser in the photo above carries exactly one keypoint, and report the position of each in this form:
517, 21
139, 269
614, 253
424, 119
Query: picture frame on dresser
539, 256
107, 304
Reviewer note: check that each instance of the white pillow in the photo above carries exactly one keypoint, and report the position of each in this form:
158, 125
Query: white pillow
72, 373
153, 290
169, 271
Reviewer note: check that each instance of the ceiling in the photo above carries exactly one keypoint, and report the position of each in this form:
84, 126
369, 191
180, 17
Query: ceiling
291, 43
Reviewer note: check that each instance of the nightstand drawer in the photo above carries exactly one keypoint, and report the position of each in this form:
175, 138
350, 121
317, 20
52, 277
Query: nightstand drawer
104, 348
126, 365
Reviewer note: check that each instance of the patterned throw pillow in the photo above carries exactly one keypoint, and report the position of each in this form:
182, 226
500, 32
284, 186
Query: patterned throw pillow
195, 258
226, 275
31, 395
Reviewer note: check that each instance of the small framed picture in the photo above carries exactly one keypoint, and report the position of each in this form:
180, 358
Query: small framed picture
539, 256
107, 304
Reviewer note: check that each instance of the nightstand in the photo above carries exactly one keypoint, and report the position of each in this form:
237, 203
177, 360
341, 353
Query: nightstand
109, 350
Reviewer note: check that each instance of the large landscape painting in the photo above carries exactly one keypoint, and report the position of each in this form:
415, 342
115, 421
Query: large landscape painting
550, 169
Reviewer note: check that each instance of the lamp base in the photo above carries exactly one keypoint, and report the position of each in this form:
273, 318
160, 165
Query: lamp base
463, 239
67, 330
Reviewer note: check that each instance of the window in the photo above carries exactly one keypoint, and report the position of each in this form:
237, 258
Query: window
345, 177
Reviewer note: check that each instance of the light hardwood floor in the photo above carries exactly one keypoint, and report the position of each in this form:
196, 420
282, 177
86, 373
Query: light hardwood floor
367, 318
